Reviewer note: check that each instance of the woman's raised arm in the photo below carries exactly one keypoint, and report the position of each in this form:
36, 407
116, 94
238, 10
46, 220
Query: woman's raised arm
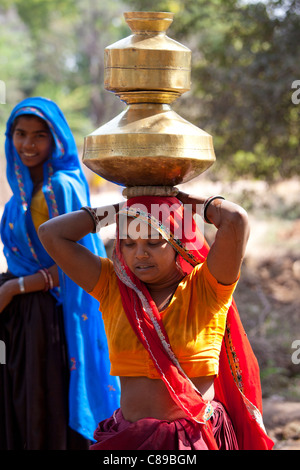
59, 237
227, 252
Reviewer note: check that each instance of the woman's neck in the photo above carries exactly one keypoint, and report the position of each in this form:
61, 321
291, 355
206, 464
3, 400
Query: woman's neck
166, 286
36, 178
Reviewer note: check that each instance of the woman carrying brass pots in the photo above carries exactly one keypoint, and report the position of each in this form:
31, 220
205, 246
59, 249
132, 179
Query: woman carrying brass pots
189, 379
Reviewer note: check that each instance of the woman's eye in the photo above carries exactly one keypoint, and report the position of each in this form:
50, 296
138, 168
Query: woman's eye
18, 133
128, 244
154, 243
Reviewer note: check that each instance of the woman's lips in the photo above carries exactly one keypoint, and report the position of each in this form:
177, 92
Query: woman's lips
29, 158
142, 267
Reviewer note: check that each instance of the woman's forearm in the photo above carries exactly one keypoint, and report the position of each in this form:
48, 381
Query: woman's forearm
72, 226
60, 235
26, 284
75, 225
194, 201
227, 252
33, 282
218, 211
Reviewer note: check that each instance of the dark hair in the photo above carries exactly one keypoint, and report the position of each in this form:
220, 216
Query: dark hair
27, 116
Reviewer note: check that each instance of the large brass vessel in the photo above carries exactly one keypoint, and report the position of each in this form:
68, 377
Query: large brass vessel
148, 143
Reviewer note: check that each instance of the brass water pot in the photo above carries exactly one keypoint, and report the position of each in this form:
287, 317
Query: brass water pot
148, 143
148, 59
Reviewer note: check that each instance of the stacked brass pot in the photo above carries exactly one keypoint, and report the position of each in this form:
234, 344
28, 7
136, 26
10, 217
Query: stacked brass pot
148, 143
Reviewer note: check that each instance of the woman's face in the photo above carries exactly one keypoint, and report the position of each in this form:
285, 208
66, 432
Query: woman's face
149, 256
33, 141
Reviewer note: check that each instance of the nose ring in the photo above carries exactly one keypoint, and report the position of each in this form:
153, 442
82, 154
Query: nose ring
145, 253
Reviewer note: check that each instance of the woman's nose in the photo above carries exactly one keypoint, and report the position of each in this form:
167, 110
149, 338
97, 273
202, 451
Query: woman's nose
141, 252
28, 143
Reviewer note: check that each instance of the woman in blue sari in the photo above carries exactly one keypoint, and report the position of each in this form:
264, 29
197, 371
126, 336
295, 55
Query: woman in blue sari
55, 385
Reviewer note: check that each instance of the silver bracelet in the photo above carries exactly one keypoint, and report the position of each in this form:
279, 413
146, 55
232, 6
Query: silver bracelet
21, 284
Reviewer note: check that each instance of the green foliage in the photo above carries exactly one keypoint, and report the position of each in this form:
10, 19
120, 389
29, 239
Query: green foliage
56, 49
36, 13
73, 103
245, 57
257, 164
16, 61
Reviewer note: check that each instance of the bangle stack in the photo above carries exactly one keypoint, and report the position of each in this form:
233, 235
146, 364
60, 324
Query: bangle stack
47, 278
94, 216
206, 204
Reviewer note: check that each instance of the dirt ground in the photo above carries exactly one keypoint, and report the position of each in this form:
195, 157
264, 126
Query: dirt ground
267, 295
282, 421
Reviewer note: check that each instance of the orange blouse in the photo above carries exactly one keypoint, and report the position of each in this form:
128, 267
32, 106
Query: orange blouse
194, 320
39, 209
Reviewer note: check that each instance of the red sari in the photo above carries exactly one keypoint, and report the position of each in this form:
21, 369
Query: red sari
238, 384
116, 433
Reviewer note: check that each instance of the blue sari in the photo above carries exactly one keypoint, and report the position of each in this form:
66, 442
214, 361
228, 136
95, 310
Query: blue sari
93, 393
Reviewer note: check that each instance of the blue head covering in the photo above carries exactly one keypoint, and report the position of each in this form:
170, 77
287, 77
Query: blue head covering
93, 393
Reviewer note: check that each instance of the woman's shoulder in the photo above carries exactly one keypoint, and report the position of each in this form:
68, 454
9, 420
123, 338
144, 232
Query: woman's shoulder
201, 273
108, 265
201, 276
106, 279
69, 191
61, 179
197, 270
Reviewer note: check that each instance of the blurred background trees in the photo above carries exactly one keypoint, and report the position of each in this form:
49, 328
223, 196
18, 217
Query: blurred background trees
245, 58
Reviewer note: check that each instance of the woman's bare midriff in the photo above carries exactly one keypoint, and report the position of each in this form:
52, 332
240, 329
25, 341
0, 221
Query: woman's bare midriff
142, 397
